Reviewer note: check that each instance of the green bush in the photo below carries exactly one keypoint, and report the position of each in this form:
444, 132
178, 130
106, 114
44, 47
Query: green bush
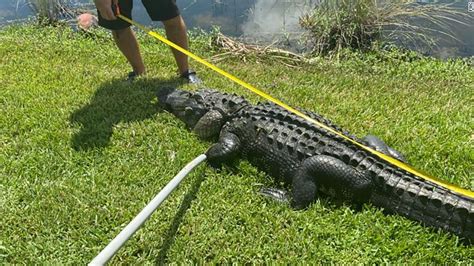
337, 24
340, 24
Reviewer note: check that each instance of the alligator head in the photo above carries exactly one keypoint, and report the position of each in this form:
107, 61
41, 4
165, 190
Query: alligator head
204, 111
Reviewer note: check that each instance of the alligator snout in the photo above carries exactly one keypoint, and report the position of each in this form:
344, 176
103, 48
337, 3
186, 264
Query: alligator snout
162, 95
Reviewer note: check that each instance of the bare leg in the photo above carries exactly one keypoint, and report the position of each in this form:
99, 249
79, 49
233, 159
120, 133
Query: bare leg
128, 45
176, 32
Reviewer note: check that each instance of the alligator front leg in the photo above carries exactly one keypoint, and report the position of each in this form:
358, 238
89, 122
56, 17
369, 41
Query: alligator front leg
224, 151
331, 176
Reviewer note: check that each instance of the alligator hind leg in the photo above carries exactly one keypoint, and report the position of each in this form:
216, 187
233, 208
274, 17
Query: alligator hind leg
331, 176
379, 145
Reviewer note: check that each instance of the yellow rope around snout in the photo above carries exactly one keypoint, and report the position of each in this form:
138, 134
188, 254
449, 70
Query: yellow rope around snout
246, 85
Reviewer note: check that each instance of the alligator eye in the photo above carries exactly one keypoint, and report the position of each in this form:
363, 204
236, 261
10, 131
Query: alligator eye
188, 110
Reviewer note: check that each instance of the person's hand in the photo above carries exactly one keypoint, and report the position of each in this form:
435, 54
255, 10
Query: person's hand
105, 8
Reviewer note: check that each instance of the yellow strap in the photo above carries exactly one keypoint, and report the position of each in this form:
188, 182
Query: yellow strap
246, 85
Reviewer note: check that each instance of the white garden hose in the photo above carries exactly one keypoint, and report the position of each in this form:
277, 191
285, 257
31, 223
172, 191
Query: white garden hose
109, 251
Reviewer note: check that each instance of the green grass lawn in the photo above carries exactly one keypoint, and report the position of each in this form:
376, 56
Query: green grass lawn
82, 152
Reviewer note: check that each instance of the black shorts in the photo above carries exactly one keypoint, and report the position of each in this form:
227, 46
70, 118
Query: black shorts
158, 10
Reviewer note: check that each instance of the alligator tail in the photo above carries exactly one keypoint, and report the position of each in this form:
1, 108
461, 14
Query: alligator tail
426, 202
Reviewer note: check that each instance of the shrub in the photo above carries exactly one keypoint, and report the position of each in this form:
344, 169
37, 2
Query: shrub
337, 24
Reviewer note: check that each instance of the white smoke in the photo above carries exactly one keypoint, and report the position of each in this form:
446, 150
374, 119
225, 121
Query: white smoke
274, 18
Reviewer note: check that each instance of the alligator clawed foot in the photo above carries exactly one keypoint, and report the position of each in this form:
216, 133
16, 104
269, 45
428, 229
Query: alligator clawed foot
379, 145
276, 194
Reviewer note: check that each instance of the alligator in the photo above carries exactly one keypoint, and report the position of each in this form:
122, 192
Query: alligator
315, 162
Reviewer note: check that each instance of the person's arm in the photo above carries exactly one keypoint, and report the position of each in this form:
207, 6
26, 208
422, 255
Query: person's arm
105, 8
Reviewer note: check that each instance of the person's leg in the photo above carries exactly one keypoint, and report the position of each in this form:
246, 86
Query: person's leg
167, 12
176, 32
128, 45
124, 37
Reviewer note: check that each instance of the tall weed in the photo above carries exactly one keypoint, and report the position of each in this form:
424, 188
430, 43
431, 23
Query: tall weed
50, 12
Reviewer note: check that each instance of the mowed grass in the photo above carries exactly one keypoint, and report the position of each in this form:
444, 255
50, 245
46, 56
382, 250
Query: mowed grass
82, 152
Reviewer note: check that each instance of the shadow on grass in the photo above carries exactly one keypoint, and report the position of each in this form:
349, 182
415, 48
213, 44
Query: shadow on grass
114, 102
178, 218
